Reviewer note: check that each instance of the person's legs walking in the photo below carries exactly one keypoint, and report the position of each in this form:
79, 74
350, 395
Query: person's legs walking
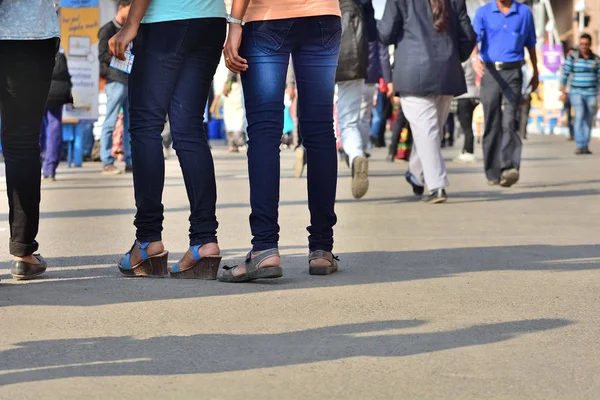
53, 141
591, 104
466, 107
426, 116
491, 99
25, 76
511, 112
350, 94
315, 65
524, 115
366, 112
579, 123
116, 95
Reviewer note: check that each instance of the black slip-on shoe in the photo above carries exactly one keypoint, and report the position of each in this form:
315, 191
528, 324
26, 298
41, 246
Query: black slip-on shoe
21, 270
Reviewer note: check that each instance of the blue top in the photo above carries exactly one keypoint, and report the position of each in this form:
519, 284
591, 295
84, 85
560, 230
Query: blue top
28, 20
503, 38
173, 10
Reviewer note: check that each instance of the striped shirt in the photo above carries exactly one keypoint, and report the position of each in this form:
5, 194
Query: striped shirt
584, 74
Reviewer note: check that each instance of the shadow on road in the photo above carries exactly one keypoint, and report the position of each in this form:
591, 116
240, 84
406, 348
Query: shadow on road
98, 282
214, 353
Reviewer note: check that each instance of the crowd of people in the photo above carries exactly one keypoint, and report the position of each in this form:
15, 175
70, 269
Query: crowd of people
287, 60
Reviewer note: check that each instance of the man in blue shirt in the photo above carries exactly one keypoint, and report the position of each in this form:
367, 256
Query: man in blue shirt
504, 29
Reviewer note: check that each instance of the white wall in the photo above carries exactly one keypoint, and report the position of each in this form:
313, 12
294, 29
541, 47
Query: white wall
108, 9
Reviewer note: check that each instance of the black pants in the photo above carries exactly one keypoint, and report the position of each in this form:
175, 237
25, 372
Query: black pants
465, 110
501, 99
25, 75
524, 118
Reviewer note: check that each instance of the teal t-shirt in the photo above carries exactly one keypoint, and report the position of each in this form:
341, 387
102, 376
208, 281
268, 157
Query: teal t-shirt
173, 10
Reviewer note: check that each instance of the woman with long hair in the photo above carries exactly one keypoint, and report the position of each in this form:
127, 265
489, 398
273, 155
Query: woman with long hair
433, 38
260, 50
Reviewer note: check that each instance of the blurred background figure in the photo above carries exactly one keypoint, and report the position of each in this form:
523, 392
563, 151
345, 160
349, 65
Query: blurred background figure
428, 80
582, 68
465, 109
116, 94
234, 115
51, 132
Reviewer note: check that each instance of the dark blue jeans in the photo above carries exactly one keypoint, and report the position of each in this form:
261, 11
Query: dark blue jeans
173, 69
314, 43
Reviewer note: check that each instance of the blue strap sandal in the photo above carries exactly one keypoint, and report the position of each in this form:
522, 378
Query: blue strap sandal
205, 267
151, 266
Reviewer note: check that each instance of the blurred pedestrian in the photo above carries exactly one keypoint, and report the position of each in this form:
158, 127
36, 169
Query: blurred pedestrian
116, 94
438, 36
504, 29
350, 79
312, 36
466, 104
60, 94
29, 40
583, 67
174, 81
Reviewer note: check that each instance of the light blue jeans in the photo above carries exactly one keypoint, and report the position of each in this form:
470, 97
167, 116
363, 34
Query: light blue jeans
585, 109
350, 97
116, 97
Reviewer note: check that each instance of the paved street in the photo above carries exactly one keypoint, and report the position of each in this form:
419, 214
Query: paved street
492, 295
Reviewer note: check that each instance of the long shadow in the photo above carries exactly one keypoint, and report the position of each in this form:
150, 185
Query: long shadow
216, 353
74, 286
473, 197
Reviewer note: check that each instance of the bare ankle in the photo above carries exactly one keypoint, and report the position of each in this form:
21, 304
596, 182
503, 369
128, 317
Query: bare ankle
210, 249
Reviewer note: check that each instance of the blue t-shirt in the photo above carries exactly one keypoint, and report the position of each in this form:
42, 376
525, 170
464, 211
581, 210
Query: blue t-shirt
173, 10
28, 20
503, 38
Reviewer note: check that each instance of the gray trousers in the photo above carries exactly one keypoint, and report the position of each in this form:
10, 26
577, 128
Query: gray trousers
427, 116
501, 100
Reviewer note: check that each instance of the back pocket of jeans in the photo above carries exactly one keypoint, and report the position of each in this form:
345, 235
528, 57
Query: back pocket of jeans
331, 33
269, 36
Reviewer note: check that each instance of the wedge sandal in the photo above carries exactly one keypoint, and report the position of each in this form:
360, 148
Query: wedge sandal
154, 266
253, 270
323, 255
206, 267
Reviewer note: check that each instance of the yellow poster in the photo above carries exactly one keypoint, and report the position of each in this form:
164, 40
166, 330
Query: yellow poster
79, 40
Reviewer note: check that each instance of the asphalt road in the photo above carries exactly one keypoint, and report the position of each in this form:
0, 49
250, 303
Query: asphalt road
492, 295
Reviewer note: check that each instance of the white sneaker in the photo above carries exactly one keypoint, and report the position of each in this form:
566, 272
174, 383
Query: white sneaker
466, 158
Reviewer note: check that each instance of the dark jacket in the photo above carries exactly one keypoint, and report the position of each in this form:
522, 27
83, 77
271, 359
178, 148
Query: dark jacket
379, 56
60, 88
354, 43
110, 74
379, 63
428, 63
